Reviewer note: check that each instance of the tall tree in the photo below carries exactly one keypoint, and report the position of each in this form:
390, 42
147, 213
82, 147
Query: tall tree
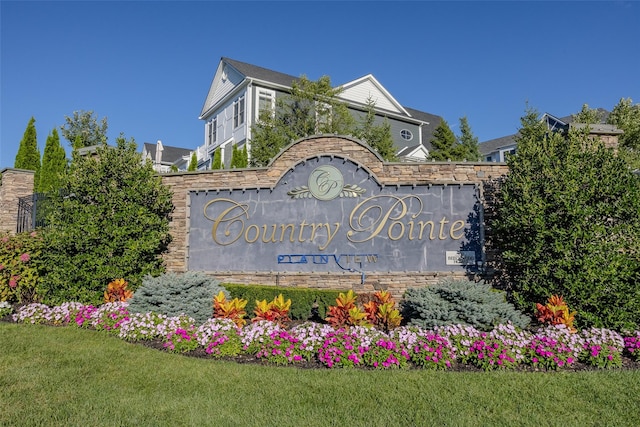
54, 164
244, 156
444, 143
84, 130
193, 163
310, 108
235, 158
28, 156
112, 223
468, 147
588, 115
567, 223
378, 136
217, 160
626, 116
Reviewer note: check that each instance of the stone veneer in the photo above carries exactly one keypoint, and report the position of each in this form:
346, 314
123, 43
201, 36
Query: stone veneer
301, 150
15, 183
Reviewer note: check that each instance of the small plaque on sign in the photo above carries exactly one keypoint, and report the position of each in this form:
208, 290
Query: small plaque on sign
461, 257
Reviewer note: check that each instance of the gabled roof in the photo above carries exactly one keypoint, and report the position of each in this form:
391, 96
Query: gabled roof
169, 154
260, 73
407, 151
492, 145
368, 87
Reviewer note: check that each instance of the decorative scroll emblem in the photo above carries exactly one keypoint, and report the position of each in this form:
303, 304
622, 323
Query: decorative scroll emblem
326, 183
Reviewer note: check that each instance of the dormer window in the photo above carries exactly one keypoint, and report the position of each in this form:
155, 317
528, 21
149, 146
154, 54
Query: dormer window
406, 134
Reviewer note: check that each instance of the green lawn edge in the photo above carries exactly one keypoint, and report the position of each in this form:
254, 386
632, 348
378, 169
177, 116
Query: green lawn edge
68, 376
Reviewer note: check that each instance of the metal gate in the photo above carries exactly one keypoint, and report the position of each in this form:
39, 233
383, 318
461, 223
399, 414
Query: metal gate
31, 212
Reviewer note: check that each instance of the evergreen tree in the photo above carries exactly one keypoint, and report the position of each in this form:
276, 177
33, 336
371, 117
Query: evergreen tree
193, 164
217, 160
54, 164
377, 136
468, 147
444, 143
235, 158
83, 129
28, 156
245, 157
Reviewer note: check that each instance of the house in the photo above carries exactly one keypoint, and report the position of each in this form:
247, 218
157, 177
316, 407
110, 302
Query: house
497, 150
165, 158
239, 91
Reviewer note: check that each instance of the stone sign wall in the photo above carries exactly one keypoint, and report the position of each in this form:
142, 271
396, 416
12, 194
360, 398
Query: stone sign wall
330, 213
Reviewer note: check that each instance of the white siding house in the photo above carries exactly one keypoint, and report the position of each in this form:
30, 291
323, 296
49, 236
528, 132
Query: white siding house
239, 91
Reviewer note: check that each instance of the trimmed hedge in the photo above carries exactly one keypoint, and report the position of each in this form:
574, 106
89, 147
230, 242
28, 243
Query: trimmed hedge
302, 299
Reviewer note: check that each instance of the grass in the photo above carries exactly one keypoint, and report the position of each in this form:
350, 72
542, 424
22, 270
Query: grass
72, 377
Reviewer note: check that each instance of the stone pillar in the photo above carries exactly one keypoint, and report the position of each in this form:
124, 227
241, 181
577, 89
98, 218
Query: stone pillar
15, 183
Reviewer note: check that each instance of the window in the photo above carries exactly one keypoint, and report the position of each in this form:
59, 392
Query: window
406, 134
266, 101
238, 112
213, 131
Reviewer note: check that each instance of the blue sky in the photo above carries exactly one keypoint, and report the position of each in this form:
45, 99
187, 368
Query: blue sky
147, 65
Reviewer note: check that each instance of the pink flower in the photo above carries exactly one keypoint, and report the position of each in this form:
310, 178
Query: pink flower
13, 282
25, 257
1, 267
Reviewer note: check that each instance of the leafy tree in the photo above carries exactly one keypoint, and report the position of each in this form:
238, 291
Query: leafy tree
217, 160
310, 108
112, 222
84, 130
566, 222
444, 143
467, 149
28, 156
54, 164
588, 115
626, 116
377, 136
193, 164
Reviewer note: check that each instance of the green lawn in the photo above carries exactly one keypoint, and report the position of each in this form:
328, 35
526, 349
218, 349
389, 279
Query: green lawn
72, 377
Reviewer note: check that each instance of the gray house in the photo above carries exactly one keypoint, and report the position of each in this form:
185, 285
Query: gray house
240, 90
497, 150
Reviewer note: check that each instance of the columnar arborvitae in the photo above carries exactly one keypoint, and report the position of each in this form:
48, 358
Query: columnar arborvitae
28, 156
235, 157
54, 164
217, 159
193, 164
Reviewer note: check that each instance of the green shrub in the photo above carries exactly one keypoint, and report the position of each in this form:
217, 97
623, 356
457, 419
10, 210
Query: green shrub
189, 293
111, 220
19, 259
302, 299
459, 302
566, 223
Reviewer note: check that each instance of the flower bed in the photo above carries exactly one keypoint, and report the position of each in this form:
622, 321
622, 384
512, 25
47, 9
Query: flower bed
313, 344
